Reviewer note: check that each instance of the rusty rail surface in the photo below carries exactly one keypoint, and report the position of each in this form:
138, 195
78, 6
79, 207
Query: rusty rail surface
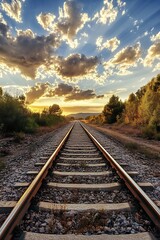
147, 204
24, 202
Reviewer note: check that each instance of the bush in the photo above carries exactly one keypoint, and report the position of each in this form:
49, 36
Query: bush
31, 125
149, 132
15, 117
49, 120
157, 137
131, 146
19, 136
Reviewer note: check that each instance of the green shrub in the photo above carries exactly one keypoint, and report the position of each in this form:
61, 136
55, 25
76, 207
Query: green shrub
157, 137
131, 146
31, 125
19, 136
149, 132
15, 117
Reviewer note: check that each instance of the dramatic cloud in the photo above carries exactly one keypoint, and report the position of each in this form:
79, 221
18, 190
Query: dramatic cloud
68, 24
29, 54
25, 33
152, 54
82, 95
155, 37
107, 14
26, 52
2, 19
46, 20
61, 90
4, 30
127, 57
13, 9
111, 44
157, 67
36, 92
124, 72
73, 93
15, 90
121, 3
75, 66
71, 20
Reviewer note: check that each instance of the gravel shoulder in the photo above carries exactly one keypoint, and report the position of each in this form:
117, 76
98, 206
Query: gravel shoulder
21, 158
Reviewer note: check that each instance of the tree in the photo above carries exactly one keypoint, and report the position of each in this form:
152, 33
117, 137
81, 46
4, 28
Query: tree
22, 99
13, 115
113, 109
1, 92
55, 110
150, 102
131, 109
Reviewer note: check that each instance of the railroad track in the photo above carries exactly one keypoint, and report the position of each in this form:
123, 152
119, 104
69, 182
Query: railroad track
85, 193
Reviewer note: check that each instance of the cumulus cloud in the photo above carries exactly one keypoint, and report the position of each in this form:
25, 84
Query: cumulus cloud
2, 19
61, 90
155, 37
25, 52
25, 33
121, 63
69, 22
124, 72
46, 20
36, 92
128, 56
28, 54
153, 53
13, 9
82, 95
15, 90
84, 34
111, 44
75, 66
4, 31
73, 93
107, 14
157, 67
121, 3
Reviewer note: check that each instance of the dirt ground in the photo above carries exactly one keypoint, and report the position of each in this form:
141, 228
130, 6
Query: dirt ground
127, 134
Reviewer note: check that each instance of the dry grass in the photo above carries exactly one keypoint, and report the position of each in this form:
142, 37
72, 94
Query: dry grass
134, 147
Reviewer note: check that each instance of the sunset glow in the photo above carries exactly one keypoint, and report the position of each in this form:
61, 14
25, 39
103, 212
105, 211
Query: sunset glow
77, 53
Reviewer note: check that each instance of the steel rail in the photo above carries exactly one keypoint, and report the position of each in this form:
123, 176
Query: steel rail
24, 202
147, 204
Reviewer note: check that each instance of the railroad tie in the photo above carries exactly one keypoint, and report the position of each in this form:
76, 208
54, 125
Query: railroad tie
104, 173
7, 206
83, 186
47, 206
136, 236
86, 165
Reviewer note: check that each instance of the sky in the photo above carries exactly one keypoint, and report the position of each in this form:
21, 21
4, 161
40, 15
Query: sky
78, 53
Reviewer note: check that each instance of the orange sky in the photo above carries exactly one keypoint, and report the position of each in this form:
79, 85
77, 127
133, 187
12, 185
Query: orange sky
71, 110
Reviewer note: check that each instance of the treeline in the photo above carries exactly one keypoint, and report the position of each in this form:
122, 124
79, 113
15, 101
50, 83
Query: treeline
16, 117
141, 109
